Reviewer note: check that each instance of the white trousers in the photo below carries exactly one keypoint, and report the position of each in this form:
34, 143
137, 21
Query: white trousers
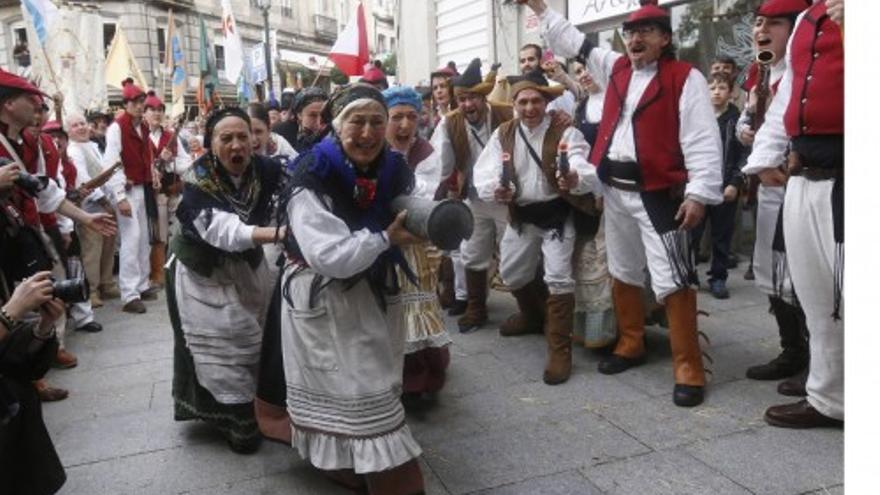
490, 219
521, 252
134, 251
809, 232
459, 272
769, 204
633, 243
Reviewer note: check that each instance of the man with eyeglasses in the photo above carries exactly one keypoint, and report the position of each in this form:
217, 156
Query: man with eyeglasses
658, 153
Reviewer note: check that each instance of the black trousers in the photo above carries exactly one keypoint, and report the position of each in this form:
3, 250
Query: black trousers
722, 220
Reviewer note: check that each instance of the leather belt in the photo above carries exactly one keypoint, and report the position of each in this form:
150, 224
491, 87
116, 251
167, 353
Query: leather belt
796, 168
626, 176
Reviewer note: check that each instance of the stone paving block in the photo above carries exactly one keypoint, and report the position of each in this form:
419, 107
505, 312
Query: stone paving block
449, 418
670, 472
526, 450
660, 424
747, 399
104, 438
80, 405
478, 373
93, 380
295, 482
160, 397
726, 330
776, 461
833, 490
565, 483
182, 470
730, 362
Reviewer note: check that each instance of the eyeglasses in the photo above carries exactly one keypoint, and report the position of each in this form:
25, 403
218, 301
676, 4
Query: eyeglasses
641, 31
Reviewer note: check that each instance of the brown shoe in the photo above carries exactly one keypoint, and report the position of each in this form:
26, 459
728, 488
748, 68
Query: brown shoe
558, 329
687, 358
64, 359
150, 294
476, 314
532, 302
48, 393
795, 386
95, 299
135, 306
446, 276
799, 415
110, 292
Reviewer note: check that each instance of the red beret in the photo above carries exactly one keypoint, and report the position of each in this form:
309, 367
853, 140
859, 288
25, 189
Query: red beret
650, 11
153, 101
52, 126
782, 8
9, 80
131, 91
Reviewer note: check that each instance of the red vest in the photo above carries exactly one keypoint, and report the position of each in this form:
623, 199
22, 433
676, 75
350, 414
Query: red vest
164, 140
28, 154
655, 123
137, 157
816, 105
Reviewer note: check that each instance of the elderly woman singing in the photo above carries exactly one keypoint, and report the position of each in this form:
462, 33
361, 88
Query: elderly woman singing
341, 332
218, 281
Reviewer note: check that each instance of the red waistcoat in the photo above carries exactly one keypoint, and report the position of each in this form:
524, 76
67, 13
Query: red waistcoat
137, 157
816, 105
655, 123
164, 141
27, 151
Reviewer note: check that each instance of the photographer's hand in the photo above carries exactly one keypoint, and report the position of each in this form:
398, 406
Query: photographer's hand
50, 312
8, 175
29, 295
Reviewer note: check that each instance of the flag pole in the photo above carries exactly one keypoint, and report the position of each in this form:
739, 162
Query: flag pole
169, 55
320, 70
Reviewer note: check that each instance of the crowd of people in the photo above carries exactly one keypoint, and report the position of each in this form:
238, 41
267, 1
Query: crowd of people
305, 311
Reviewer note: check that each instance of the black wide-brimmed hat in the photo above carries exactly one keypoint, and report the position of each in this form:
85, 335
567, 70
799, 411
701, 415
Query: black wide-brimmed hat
471, 81
533, 80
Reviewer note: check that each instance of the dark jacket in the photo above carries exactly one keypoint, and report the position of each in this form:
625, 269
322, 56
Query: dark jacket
734, 154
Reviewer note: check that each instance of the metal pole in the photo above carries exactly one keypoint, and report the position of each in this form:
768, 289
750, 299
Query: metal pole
268, 54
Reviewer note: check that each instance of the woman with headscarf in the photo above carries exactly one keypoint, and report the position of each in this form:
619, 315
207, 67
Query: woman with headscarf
427, 341
218, 282
341, 327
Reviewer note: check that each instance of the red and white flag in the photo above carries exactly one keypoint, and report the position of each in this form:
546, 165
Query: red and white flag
350, 52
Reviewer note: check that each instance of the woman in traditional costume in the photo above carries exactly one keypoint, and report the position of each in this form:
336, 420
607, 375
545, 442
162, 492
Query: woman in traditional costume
218, 282
427, 341
341, 334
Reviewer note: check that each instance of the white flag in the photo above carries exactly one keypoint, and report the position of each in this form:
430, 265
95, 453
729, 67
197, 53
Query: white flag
231, 45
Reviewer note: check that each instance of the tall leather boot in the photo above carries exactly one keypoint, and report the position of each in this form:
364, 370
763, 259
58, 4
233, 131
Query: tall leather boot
157, 265
630, 312
794, 338
558, 328
446, 276
532, 302
687, 358
476, 313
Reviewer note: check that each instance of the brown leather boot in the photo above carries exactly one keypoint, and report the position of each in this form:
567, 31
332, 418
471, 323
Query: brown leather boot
446, 277
630, 313
687, 358
476, 313
532, 302
157, 265
558, 328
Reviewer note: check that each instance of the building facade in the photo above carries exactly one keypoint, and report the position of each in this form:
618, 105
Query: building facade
302, 33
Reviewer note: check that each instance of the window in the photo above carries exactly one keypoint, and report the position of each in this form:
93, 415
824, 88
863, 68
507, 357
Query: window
393, 45
160, 38
220, 57
20, 36
381, 44
287, 8
109, 33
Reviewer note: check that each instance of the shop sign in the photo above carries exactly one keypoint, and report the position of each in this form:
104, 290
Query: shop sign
590, 11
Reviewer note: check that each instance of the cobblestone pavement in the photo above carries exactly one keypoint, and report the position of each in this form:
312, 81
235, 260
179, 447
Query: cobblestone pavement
496, 428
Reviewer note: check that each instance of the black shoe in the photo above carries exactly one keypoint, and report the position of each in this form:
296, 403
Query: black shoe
91, 327
800, 415
458, 308
244, 446
687, 395
150, 294
749, 274
783, 366
719, 289
615, 364
702, 258
135, 306
732, 262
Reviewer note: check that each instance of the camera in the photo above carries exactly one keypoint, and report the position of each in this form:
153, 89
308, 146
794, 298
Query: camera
73, 290
32, 184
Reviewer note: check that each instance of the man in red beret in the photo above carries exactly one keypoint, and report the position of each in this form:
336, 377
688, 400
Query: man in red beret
128, 141
806, 118
774, 21
658, 153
